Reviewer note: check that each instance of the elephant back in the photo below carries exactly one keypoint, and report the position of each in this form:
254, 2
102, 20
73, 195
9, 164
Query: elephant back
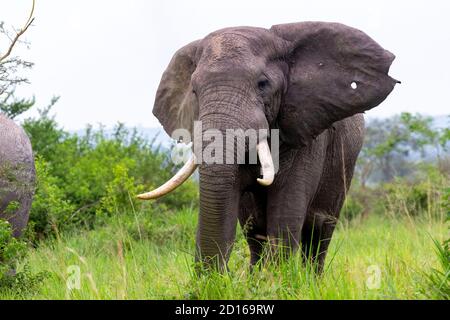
15, 145
17, 174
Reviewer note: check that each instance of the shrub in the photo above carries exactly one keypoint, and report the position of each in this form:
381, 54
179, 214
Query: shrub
119, 191
51, 210
82, 178
12, 252
404, 196
419, 196
351, 209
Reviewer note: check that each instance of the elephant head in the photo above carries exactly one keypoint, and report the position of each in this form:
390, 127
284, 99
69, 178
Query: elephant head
299, 78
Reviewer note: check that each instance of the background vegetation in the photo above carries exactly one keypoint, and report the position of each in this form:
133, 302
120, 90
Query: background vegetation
88, 238
392, 227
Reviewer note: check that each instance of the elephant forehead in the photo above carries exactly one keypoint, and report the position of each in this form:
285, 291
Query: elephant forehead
238, 41
229, 55
226, 46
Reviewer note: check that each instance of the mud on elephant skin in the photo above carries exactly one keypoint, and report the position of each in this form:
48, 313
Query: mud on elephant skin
309, 80
17, 175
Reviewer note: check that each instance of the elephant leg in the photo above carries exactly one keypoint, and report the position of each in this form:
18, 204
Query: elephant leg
323, 214
345, 143
290, 196
252, 219
316, 237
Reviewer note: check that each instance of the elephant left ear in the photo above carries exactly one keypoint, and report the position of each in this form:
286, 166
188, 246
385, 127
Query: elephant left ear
335, 72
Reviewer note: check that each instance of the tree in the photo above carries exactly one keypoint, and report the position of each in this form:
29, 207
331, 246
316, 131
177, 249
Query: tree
393, 145
13, 107
9, 67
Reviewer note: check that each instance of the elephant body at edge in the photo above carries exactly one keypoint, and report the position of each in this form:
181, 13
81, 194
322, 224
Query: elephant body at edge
17, 175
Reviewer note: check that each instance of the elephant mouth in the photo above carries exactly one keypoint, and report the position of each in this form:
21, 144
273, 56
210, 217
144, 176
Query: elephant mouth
267, 173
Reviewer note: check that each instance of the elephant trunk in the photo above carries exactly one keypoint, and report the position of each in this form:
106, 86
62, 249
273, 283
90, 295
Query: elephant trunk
237, 114
219, 200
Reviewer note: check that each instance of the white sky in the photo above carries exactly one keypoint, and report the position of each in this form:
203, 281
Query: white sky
105, 57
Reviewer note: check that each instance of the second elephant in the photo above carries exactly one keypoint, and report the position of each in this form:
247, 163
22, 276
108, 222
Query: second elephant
17, 175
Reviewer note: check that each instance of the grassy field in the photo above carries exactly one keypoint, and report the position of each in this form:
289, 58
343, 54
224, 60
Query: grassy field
150, 257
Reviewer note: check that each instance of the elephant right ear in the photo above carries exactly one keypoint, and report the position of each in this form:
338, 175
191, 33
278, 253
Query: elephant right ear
176, 106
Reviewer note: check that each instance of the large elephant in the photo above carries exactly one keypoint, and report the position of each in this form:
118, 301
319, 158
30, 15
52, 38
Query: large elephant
312, 81
17, 175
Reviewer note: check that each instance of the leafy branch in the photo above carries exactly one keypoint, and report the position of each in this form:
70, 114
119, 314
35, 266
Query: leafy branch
19, 34
10, 65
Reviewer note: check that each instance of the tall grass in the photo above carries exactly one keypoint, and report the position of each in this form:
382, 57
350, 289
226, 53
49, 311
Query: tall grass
150, 256
438, 279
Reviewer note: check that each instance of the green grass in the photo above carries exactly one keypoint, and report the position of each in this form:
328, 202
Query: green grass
150, 257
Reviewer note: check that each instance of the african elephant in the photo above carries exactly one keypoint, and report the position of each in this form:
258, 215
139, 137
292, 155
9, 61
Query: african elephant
311, 81
17, 175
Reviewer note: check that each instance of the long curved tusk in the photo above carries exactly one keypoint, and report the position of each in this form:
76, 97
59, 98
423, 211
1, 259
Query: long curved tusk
177, 180
267, 167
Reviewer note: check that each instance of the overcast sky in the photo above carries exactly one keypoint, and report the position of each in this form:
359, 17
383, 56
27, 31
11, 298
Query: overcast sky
105, 57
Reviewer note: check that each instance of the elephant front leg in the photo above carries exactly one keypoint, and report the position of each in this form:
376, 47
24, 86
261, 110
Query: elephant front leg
289, 198
252, 217
219, 201
286, 212
316, 237
284, 227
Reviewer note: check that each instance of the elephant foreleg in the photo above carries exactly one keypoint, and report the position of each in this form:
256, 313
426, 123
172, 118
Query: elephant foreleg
252, 219
316, 237
290, 196
345, 143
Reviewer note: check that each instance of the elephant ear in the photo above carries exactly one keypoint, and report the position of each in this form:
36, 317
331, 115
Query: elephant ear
176, 106
335, 72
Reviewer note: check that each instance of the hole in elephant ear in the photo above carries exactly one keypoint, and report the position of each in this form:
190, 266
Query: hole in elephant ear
354, 85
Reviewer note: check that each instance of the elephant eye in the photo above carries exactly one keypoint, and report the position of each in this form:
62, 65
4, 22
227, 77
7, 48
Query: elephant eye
263, 84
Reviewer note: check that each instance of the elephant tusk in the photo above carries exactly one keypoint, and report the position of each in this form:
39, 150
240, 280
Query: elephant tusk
177, 180
267, 167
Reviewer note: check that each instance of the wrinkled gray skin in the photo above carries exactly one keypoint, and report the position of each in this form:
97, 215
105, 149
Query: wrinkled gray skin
293, 77
17, 175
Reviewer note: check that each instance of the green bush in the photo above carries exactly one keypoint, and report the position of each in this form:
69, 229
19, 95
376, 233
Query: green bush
12, 252
84, 178
51, 210
404, 196
119, 191
420, 196
352, 208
